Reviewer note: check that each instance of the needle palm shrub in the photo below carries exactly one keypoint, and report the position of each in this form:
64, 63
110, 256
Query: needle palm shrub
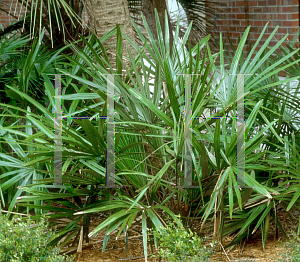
153, 112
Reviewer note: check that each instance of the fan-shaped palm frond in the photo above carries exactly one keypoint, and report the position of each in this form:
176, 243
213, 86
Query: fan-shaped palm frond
61, 19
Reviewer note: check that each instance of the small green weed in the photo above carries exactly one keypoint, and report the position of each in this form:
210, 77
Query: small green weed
175, 243
291, 249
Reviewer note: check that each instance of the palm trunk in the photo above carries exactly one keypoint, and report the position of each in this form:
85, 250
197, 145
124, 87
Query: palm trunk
105, 15
148, 7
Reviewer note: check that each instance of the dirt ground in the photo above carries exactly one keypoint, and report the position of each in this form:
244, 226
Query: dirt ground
252, 251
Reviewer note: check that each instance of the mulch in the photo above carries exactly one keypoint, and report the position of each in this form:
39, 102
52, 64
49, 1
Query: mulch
252, 250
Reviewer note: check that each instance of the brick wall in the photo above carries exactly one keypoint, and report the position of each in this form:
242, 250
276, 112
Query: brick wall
238, 15
5, 18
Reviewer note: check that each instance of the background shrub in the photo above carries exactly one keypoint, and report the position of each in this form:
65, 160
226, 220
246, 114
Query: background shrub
27, 241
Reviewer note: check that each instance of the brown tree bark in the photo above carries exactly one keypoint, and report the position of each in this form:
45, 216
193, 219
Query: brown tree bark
105, 15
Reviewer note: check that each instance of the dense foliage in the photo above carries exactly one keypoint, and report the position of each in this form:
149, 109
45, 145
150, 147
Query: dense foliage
149, 137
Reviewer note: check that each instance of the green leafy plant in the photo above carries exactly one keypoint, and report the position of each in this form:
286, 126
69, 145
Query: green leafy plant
178, 244
26, 64
27, 241
291, 249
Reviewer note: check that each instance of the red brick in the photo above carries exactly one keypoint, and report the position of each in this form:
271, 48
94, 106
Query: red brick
272, 16
258, 9
295, 16
250, 9
226, 9
282, 30
267, 22
259, 16
271, 2
252, 3
240, 3
264, 16
282, 16
232, 3
271, 9
258, 23
236, 35
235, 10
255, 29
243, 23
292, 30
287, 9
236, 22
256, 36
290, 23
276, 23
240, 16
224, 28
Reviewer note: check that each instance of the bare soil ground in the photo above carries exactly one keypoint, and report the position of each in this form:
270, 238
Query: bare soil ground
252, 251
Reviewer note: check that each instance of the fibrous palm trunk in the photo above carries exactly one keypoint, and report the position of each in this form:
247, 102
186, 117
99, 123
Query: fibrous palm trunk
105, 15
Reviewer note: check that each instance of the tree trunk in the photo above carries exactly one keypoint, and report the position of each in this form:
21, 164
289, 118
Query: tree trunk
105, 15
148, 7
